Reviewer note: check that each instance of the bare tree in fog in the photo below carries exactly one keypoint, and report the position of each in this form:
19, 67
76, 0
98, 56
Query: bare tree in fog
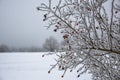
4, 48
50, 44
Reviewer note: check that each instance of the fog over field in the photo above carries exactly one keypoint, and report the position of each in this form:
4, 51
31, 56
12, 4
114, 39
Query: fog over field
21, 25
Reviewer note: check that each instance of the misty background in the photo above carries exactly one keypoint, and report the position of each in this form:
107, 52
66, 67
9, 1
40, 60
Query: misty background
21, 24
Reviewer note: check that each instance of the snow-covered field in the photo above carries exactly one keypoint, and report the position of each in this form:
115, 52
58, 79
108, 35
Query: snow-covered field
31, 66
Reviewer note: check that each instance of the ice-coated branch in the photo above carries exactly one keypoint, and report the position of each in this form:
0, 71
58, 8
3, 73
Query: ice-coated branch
91, 34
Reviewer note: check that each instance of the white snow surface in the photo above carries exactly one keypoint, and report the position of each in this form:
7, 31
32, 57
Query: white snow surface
31, 66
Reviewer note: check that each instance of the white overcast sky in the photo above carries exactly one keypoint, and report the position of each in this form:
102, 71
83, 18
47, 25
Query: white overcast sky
21, 24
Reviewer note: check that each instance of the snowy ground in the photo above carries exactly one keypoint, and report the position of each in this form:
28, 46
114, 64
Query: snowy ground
31, 66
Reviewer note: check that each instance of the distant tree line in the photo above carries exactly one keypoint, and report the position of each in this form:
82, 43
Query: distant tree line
50, 45
5, 48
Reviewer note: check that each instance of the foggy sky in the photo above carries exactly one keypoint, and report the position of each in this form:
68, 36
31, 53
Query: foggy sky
21, 24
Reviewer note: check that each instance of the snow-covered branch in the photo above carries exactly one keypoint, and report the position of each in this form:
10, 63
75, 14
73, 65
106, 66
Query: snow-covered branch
89, 29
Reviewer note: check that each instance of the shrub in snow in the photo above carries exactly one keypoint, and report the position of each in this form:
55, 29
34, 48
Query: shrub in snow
92, 34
